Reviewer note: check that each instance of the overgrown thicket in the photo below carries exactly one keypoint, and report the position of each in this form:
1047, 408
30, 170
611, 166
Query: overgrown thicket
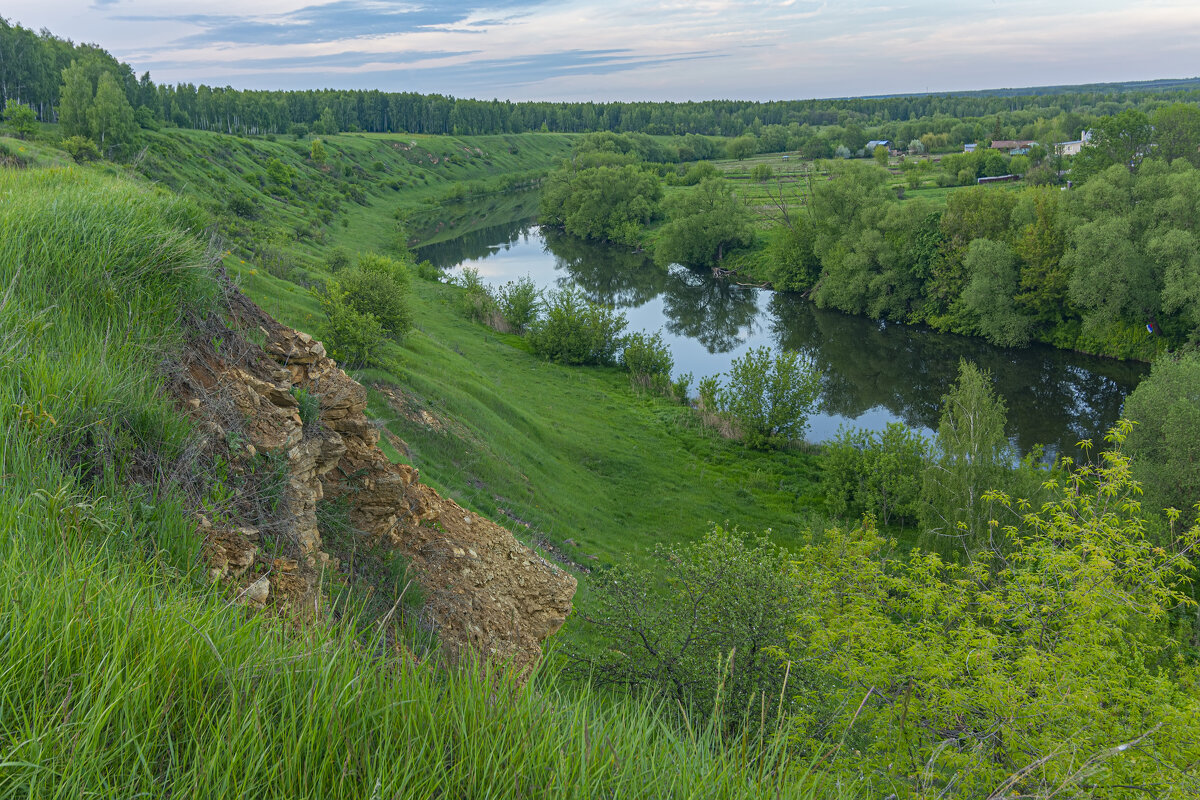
1108, 268
1057, 657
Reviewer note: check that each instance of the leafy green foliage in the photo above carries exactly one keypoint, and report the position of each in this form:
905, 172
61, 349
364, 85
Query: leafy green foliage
877, 473
318, 152
20, 119
969, 458
519, 303
769, 396
80, 148
606, 203
378, 286
703, 223
793, 265
575, 330
1048, 666
352, 336
647, 356
992, 284
1164, 444
702, 624
476, 300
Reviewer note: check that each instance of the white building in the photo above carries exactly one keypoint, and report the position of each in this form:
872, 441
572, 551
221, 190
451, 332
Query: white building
1072, 148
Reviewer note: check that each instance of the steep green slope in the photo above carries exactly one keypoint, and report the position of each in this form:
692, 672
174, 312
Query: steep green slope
126, 674
277, 202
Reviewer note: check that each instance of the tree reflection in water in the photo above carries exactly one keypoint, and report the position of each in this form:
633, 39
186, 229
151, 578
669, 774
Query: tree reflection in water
718, 314
894, 371
1055, 398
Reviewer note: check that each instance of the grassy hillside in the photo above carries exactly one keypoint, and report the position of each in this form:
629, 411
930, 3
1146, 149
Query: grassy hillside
558, 452
278, 204
126, 673
554, 453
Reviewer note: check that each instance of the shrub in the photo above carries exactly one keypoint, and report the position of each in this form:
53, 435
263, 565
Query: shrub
20, 119
426, 271
350, 335
242, 206
647, 356
81, 149
762, 172
476, 300
875, 472
338, 259
378, 264
769, 397
577, 331
379, 295
726, 600
518, 302
682, 386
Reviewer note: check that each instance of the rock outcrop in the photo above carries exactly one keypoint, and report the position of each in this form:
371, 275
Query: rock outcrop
484, 591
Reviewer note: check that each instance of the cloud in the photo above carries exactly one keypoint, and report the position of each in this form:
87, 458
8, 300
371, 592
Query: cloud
636, 49
327, 22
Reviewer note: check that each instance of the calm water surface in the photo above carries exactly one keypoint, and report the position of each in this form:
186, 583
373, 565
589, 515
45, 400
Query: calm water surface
873, 372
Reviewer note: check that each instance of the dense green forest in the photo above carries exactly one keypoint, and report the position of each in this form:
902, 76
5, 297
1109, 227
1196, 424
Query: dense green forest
31, 66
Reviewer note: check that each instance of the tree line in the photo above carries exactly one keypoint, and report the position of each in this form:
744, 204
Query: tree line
1110, 267
31, 66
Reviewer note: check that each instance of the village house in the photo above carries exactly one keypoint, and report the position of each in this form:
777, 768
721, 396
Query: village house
1073, 148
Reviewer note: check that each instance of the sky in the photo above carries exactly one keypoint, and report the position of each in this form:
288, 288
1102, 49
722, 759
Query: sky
634, 49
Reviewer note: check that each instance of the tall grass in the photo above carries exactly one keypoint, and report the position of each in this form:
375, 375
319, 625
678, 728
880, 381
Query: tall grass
123, 674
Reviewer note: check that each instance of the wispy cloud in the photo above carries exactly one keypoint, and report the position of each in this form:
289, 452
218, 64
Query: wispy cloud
624, 49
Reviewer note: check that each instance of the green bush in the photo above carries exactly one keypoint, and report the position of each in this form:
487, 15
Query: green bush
378, 264
518, 302
241, 206
81, 149
769, 397
875, 472
476, 300
379, 295
577, 331
647, 356
702, 627
351, 336
337, 259
426, 271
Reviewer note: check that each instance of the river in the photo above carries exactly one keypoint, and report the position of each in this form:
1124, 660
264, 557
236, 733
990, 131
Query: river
873, 372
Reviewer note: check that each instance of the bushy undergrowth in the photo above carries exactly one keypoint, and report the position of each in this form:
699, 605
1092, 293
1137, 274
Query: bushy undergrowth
575, 330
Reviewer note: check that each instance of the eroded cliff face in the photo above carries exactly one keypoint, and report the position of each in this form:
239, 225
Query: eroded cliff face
483, 590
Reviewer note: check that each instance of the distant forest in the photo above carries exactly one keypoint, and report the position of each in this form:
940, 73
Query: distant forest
32, 63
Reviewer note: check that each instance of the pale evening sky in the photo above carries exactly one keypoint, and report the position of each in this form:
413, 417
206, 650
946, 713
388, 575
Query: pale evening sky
634, 49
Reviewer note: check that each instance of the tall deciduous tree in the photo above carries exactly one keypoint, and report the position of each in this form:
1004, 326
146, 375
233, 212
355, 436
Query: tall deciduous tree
110, 117
1177, 132
1165, 442
703, 224
75, 98
992, 280
971, 452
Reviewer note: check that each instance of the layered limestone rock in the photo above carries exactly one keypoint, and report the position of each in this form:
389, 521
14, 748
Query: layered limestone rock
484, 591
